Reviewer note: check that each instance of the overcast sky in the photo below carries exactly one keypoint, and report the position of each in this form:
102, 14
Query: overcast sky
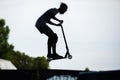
92, 29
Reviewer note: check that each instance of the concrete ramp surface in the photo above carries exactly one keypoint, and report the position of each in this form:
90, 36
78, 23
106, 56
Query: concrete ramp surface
6, 65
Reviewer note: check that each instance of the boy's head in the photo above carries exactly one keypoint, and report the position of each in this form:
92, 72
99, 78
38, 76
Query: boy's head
63, 8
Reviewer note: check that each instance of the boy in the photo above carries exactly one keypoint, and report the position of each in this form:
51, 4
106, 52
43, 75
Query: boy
43, 28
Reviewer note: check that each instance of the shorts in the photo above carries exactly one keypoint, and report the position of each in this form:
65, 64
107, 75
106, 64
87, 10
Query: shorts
44, 29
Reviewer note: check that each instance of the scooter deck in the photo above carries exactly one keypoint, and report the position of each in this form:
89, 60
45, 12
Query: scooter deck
67, 55
50, 59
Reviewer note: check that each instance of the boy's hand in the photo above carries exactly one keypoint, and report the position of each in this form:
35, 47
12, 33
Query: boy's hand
59, 24
61, 21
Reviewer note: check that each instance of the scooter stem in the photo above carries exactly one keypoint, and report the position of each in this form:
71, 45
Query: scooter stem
65, 39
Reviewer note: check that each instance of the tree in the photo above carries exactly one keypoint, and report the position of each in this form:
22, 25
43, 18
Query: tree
40, 63
5, 47
19, 59
87, 69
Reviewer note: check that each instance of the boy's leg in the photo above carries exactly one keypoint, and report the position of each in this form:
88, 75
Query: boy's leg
49, 44
49, 47
54, 41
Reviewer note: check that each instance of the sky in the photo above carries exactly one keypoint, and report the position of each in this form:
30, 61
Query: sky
92, 30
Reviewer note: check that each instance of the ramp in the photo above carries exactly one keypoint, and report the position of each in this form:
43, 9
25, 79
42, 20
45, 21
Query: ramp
6, 65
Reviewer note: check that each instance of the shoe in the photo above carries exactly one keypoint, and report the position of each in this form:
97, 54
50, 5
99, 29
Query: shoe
50, 55
57, 55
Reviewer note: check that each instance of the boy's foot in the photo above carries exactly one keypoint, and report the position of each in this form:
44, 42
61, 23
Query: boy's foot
57, 55
50, 55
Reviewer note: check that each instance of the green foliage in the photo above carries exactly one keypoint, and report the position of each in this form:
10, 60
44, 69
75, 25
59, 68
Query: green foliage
40, 63
87, 69
20, 60
5, 47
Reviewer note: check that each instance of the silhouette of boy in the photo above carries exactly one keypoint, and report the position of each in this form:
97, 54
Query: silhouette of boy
43, 27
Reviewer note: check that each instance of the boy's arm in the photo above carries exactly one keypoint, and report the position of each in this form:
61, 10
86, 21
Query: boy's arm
61, 21
50, 22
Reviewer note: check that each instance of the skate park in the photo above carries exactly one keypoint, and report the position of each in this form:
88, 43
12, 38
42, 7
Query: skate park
87, 46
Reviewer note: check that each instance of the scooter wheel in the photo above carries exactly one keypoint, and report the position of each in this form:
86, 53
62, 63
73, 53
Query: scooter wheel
69, 56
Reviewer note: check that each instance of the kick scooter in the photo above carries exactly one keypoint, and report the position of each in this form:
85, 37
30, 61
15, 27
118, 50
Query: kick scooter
67, 55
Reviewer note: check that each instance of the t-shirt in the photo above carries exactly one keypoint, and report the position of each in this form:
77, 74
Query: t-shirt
41, 22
